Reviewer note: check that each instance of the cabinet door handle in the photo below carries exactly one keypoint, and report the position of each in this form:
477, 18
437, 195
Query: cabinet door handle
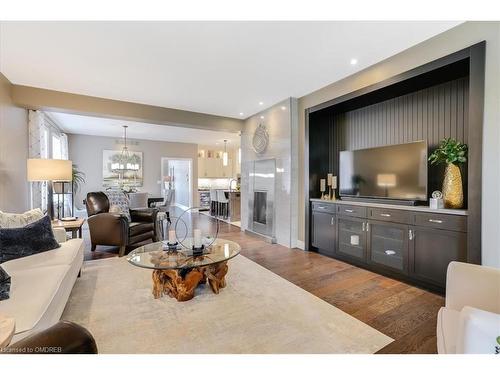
436, 221
411, 235
363, 226
367, 227
322, 207
385, 215
390, 252
331, 221
347, 210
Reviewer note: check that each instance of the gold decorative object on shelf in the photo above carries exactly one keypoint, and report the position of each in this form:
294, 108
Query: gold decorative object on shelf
452, 187
332, 185
322, 188
452, 153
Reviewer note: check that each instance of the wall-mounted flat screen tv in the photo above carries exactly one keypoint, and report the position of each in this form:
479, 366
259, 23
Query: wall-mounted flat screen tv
390, 172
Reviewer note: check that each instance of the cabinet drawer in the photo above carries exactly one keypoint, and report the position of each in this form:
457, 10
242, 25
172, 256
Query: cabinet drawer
395, 216
439, 221
356, 211
323, 207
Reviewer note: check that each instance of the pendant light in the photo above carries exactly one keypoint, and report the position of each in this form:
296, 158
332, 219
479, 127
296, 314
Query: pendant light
224, 154
125, 161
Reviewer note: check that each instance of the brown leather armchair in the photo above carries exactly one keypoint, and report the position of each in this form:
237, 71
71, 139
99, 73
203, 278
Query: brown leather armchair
62, 338
115, 230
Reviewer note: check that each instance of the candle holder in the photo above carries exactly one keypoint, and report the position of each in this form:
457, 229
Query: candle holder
197, 232
332, 185
322, 188
172, 246
198, 251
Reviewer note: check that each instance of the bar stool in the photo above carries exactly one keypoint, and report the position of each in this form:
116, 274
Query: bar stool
213, 203
223, 203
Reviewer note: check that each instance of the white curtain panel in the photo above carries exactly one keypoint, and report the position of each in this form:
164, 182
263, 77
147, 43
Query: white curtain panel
38, 144
68, 206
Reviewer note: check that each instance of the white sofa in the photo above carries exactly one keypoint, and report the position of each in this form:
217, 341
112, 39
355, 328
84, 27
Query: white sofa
470, 320
41, 285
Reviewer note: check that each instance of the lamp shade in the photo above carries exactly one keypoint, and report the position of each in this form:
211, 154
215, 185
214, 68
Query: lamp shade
49, 170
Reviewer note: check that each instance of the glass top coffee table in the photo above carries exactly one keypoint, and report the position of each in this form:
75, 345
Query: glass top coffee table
177, 273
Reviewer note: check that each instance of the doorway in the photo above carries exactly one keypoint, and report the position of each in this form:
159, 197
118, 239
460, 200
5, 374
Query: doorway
177, 180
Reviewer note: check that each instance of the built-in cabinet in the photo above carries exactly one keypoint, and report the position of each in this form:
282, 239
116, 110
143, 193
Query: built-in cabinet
324, 232
351, 237
388, 245
416, 245
431, 250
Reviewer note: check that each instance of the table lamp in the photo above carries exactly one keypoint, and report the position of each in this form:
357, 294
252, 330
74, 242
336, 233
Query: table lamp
53, 170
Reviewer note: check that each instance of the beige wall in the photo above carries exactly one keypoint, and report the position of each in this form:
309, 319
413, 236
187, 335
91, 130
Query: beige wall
86, 152
42, 99
14, 192
448, 42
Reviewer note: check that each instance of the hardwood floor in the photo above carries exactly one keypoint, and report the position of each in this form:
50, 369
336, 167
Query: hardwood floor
406, 313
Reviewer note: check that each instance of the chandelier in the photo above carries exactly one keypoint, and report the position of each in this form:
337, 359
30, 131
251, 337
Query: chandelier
125, 161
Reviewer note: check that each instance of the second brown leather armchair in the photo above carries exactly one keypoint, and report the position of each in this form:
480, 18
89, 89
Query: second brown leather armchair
62, 338
115, 230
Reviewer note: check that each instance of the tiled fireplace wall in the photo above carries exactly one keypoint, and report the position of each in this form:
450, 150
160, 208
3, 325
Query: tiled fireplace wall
280, 121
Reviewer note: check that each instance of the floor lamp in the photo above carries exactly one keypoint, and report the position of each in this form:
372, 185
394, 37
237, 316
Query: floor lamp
52, 170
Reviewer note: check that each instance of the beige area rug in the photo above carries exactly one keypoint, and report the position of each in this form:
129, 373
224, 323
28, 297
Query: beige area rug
258, 312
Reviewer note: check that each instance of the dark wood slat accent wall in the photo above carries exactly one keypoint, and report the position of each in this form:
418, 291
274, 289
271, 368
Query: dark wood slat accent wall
430, 114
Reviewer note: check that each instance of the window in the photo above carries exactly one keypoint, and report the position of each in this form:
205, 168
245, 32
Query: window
56, 147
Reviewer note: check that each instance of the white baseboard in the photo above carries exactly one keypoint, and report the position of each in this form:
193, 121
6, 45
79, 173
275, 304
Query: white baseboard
300, 245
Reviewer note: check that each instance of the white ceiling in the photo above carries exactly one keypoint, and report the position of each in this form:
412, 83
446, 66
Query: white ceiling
220, 68
76, 124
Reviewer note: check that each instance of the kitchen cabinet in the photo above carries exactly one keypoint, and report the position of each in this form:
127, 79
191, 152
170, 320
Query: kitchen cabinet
214, 168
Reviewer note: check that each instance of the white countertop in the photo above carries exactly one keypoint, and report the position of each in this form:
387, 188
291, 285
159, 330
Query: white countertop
396, 207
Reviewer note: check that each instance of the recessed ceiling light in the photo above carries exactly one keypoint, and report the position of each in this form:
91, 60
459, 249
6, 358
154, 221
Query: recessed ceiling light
354, 61
241, 113
261, 103
262, 117
283, 108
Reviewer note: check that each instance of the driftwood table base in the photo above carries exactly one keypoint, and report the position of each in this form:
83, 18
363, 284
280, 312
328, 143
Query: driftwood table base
181, 283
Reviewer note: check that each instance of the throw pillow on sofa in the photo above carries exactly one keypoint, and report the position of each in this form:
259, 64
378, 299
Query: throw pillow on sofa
32, 239
8, 220
4, 284
119, 199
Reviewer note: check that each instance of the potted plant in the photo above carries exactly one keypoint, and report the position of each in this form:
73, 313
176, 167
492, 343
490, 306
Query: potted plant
452, 153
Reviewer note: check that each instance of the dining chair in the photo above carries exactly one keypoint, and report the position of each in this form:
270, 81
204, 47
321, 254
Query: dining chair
213, 203
138, 200
223, 203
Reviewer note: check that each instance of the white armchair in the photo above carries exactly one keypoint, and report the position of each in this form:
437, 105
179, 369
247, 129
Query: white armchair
470, 320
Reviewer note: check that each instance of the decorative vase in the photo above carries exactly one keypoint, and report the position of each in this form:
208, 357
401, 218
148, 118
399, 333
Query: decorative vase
452, 187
